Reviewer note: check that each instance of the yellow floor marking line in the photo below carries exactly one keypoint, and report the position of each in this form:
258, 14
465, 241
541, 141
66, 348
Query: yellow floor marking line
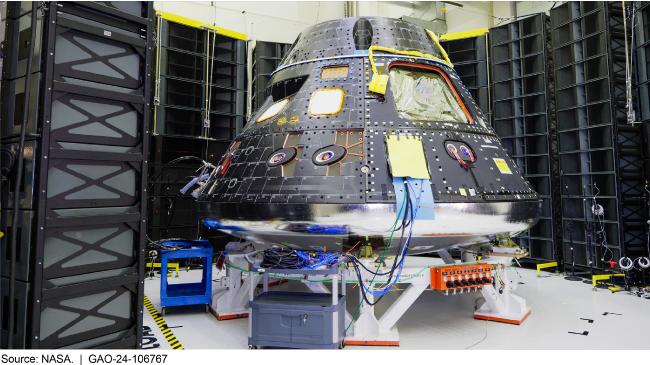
173, 341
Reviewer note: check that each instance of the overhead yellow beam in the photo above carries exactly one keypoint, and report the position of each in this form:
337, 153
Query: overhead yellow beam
466, 34
197, 24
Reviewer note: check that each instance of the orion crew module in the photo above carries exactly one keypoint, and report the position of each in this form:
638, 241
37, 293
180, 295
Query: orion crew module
365, 127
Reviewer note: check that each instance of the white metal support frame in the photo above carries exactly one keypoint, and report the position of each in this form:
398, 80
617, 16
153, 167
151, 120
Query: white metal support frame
500, 304
230, 297
367, 329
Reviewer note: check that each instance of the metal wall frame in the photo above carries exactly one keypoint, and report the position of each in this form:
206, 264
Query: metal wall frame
184, 82
595, 142
642, 71
49, 287
523, 99
266, 58
185, 49
471, 62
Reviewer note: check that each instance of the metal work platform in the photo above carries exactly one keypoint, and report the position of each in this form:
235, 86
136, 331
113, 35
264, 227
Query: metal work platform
298, 320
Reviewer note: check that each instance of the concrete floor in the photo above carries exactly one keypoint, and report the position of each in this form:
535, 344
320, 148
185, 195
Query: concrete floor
436, 321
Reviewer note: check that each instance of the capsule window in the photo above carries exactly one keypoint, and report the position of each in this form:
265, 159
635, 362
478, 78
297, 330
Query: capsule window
273, 110
326, 102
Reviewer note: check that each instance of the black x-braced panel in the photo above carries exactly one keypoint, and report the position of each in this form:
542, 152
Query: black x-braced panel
76, 318
85, 56
81, 250
86, 119
90, 184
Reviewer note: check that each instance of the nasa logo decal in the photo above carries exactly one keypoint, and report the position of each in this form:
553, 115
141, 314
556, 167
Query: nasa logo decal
329, 155
282, 156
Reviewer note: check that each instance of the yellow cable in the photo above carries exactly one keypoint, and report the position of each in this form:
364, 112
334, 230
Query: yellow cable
442, 50
373, 87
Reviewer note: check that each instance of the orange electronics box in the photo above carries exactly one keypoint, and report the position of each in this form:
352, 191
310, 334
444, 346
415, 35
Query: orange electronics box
460, 276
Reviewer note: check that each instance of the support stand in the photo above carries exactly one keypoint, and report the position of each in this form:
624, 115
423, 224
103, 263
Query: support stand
230, 298
570, 227
370, 331
446, 257
500, 305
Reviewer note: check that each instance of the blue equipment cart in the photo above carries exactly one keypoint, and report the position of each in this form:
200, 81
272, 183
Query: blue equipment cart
172, 295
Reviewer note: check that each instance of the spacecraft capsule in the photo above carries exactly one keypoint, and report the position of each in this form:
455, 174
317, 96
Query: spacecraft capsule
368, 133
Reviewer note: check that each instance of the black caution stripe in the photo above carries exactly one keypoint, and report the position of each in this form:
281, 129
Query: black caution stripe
173, 341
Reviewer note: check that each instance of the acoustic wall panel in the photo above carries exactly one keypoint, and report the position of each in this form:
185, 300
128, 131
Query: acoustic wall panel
81, 220
599, 150
524, 119
470, 59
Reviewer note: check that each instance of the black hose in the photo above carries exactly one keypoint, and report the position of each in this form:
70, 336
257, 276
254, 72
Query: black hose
19, 178
163, 168
171, 216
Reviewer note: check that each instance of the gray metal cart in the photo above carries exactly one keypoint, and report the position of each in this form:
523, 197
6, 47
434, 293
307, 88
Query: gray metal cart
297, 320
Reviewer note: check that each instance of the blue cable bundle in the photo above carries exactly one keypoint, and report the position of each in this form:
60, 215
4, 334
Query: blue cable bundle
407, 221
286, 258
317, 259
327, 229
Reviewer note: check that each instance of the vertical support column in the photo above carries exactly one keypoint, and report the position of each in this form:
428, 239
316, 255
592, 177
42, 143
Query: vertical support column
335, 301
266, 282
500, 305
232, 294
251, 296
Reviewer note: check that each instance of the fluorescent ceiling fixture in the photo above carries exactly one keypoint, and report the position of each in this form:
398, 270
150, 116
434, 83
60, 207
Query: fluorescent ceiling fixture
326, 102
273, 110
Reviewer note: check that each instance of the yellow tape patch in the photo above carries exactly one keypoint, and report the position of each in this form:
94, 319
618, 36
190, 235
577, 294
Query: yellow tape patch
406, 157
502, 165
169, 336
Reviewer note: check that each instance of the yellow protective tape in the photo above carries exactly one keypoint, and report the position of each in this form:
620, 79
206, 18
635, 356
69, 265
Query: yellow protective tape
502, 165
406, 157
442, 50
466, 34
169, 336
197, 24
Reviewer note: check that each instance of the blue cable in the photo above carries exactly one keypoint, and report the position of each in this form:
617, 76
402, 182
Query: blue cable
305, 261
401, 265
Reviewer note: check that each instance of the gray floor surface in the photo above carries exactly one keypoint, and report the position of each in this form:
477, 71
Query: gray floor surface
436, 321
